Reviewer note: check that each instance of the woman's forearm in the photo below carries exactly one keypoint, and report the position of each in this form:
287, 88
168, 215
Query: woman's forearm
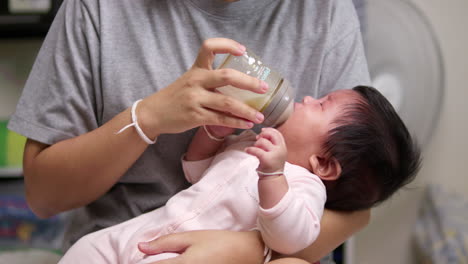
336, 228
75, 172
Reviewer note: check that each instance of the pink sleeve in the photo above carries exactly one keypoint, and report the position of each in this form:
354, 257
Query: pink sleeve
194, 170
294, 222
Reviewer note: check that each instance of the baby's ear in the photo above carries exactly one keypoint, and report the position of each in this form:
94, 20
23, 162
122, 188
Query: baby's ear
328, 169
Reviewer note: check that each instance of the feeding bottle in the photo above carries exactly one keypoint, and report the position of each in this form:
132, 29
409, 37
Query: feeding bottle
276, 104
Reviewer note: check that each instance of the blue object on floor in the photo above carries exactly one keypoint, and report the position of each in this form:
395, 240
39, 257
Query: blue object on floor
20, 228
441, 232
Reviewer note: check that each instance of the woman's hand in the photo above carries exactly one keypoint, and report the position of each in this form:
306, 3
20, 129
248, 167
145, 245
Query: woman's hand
190, 101
335, 228
208, 246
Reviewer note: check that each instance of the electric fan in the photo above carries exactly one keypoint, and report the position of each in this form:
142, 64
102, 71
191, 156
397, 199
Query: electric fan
405, 64
404, 61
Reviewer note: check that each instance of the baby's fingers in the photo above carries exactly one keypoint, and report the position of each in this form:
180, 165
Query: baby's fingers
273, 135
264, 143
257, 152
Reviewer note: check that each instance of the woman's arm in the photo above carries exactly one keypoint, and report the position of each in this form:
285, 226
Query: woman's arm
76, 171
247, 247
288, 261
209, 247
336, 228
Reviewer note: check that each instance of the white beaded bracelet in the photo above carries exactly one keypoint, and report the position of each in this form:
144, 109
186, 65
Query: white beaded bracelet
137, 127
276, 173
211, 136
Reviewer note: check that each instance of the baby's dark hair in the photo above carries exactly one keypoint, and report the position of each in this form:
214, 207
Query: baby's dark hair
376, 152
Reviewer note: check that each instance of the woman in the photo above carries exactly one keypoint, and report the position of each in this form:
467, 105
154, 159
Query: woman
102, 55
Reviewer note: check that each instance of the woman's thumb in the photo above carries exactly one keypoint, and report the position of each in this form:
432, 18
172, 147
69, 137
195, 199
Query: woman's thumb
168, 243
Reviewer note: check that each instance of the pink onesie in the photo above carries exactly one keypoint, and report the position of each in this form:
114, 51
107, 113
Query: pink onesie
224, 195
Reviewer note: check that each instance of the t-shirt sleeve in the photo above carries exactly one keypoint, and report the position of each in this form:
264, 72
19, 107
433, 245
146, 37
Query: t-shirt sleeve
60, 98
344, 65
294, 222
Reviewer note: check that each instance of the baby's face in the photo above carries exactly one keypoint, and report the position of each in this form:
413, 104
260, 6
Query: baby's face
308, 125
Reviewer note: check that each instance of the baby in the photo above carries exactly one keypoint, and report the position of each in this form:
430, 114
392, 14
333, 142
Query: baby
346, 151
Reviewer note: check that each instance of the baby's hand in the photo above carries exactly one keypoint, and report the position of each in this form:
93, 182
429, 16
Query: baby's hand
220, 131
270, 149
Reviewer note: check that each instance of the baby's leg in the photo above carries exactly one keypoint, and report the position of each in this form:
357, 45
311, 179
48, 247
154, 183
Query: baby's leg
86, 251
91, 249
113, 244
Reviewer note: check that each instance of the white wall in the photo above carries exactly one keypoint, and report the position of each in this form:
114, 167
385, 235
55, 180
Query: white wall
388, 237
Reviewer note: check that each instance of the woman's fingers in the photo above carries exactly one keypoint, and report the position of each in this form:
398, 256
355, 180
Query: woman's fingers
213, 46
165, 244
216, 118
223, 77
227, 106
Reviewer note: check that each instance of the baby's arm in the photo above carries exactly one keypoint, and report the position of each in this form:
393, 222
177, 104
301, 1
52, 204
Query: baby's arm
201, 151
202, 146
289, 214
270, 149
